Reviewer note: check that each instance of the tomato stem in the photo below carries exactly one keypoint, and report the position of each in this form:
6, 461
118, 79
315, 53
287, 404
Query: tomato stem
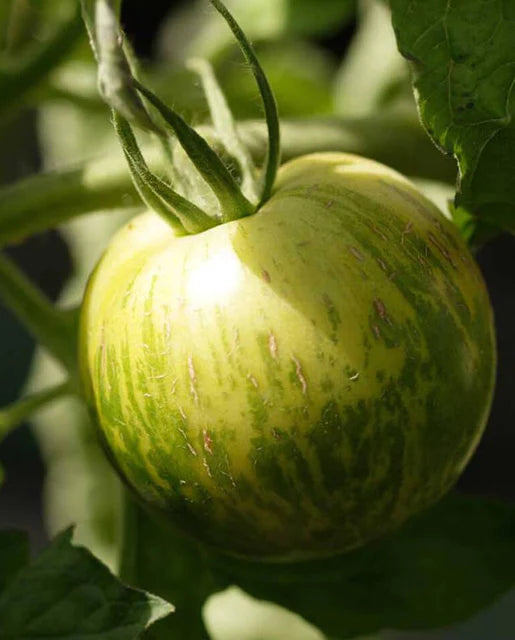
17, 412
55, 329
273, 158
116, 63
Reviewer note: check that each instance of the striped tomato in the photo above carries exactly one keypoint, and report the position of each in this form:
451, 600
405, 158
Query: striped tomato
297, 382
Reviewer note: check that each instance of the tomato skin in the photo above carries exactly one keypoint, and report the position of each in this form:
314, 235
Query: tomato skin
295, 383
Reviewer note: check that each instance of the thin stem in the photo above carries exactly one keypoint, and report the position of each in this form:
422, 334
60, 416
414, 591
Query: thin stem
182, 215
233, 203
17, 412
225, 125
18, 78
273, 158
115, 73
47, 200
54, 329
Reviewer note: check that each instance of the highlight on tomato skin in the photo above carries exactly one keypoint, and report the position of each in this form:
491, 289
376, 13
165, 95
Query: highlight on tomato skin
298, 382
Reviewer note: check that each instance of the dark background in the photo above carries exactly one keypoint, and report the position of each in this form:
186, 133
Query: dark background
46, 259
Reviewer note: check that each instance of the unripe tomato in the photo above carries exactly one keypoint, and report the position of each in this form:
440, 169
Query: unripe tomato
294, 383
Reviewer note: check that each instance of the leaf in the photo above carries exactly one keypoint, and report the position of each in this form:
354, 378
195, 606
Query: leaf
14, 555
67, 593
305, 17
440, 568
462, 53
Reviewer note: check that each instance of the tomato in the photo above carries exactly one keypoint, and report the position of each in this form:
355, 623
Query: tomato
295, 383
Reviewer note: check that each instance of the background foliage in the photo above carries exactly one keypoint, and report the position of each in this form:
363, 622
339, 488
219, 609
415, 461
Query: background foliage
339, 67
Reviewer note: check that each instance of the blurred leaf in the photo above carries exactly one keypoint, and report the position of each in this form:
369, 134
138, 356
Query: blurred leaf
300, 89
463, 60
195, 31
373, 74
67, 593
441, 567
495, 623
6, 8
21, 75
14, 555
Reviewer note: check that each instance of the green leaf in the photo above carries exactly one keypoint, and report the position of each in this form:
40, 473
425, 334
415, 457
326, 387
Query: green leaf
441, 567
67, 593
463, 58
14, 555
300, 90
305, 17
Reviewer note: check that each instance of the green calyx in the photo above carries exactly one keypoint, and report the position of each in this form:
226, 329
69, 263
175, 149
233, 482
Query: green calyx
131, 100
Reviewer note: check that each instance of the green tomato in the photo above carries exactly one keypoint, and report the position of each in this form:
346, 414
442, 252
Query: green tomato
298, 382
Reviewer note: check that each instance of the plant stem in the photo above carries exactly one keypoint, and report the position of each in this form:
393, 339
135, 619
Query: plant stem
54, 329
47, 200
17, 412
273, 157
115, 71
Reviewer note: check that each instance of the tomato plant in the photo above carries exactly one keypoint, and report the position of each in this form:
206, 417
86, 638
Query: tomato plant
286, 350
